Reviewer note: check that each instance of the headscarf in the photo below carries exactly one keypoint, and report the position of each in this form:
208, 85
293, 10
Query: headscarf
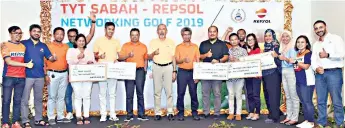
269, 46
284, 48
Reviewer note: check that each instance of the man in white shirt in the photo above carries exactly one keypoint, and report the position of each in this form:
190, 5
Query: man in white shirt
327, 61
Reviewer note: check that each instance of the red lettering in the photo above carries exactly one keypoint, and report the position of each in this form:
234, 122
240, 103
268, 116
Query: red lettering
81, 8
198, 11
123, 9
173, 8
113, 8
133, 8
63, 8
103, 9
165, 9
183, 9
73, 7
176, 9
191, 8
156, 8
94, 8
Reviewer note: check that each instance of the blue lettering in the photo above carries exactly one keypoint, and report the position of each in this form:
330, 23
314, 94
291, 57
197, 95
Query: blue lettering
64, 22
72, 22
99, 22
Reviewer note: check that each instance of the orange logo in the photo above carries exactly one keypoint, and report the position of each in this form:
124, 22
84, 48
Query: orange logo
261, 13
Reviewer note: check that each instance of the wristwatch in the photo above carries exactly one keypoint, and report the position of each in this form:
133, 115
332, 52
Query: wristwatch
93, 21
175, 71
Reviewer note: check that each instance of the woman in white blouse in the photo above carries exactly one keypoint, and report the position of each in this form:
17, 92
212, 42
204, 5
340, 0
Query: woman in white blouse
82, 90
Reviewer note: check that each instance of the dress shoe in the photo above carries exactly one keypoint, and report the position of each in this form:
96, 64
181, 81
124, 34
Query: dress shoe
170, 117
181, 118
158, 117
196, 117
204, 116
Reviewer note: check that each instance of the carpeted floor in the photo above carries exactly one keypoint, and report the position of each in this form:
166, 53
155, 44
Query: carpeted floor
165, 123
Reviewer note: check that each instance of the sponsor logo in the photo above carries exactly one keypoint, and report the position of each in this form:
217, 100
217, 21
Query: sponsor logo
17, 54
238, 15
261, 13
41, 50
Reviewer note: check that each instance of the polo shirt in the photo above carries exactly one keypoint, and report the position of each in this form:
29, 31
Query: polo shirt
166, 50
139, 50
36, 53
304, 77
16, 52
70, 45
218, 49
108, 46
190, 51
60, 50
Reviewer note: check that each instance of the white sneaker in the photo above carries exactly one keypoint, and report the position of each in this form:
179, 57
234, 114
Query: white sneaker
308, 125
114, 118
69, 116
301, 124
103, 119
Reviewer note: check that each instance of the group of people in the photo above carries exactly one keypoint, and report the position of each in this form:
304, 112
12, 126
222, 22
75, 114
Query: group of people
301, 68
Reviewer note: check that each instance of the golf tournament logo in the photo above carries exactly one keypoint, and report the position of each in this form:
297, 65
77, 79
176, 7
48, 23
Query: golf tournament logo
238, 15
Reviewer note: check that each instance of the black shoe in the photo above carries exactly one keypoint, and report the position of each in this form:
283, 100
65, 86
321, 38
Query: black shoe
128, 118
171, 117
216, 117
196, 117
180, 118
158, 117
203, 116
143, 118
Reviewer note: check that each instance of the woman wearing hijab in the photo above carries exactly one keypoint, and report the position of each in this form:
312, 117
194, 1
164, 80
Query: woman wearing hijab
287, 51
272, 78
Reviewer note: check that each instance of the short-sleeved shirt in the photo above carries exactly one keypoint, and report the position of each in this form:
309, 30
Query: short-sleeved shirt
60, 50
108, 46
218, 49
35, 52
237, 52
70, 45
292, 53
139, 50
166, 50
190, 51
304, 77
16, 52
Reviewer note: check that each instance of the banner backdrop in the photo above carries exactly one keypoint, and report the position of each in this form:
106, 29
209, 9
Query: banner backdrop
254, 17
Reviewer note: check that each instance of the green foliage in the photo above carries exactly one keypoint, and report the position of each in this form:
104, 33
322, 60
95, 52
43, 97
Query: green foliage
124, 125
222, 124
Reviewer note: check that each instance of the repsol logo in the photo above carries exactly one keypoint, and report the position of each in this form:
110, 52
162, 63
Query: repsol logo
262, 21
15, 54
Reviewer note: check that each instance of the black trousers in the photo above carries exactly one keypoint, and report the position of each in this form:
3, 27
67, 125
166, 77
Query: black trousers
272, 91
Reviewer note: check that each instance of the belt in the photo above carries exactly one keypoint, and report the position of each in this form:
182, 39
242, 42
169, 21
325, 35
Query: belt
140, 68
187, 70
332, 69
162, 64
58, 71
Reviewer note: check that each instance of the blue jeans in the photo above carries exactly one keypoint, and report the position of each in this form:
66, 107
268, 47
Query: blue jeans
68, 98
330, 82
305, 94
139, 84
10, 83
